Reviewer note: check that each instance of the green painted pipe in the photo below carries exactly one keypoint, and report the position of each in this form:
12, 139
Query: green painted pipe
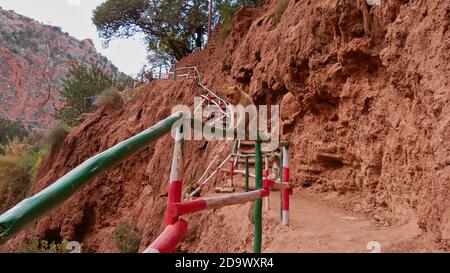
235, 147
253, 155
258, 202
36, 206
246, 174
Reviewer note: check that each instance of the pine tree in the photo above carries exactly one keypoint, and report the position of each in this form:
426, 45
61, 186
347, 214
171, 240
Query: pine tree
83, 82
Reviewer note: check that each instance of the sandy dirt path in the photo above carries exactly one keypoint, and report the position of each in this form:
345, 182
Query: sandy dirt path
318, 228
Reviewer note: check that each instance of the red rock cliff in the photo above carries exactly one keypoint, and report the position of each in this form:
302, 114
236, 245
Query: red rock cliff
365, 95
34, 62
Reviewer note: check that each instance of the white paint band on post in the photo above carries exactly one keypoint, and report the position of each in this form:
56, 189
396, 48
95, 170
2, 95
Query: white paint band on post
176, 183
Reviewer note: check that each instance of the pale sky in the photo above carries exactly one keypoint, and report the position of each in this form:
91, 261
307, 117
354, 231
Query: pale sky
74, 17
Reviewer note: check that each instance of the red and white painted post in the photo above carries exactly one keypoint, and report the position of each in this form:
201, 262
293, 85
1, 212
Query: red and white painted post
176, 172
285, 212
215, 202
168, 240
266, 176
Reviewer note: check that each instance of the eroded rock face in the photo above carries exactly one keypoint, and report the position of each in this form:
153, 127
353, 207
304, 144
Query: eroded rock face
364, 95
367, 100
34, 62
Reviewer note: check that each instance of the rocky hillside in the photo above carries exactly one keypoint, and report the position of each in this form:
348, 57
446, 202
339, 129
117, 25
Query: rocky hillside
34, 62
365, 99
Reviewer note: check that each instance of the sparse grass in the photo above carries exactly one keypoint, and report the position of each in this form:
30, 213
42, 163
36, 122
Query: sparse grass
280, 9
10, 130
134, 93
34, 244
37, 164
127, 238
57, 136
191, 188
110, 97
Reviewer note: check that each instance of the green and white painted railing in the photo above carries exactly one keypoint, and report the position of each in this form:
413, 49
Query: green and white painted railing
30, 209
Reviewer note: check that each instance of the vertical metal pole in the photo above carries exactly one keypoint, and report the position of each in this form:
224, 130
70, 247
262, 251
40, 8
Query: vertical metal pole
285, 220
210, 18
160, 71
246, 174
176, 184
280, 174
266, 176
258, 202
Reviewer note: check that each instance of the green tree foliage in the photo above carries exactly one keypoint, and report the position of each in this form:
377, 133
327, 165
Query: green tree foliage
10, 130
225, 10
122, 81
172, 28
18, 169
83, 82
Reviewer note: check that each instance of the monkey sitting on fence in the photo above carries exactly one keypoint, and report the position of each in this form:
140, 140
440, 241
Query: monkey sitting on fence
237, 97
275, 162
148, 76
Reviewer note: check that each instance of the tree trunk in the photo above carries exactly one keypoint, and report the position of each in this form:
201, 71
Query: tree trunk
199, 38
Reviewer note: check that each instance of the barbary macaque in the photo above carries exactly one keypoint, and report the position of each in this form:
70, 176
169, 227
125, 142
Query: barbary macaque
238, 98
275, 167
